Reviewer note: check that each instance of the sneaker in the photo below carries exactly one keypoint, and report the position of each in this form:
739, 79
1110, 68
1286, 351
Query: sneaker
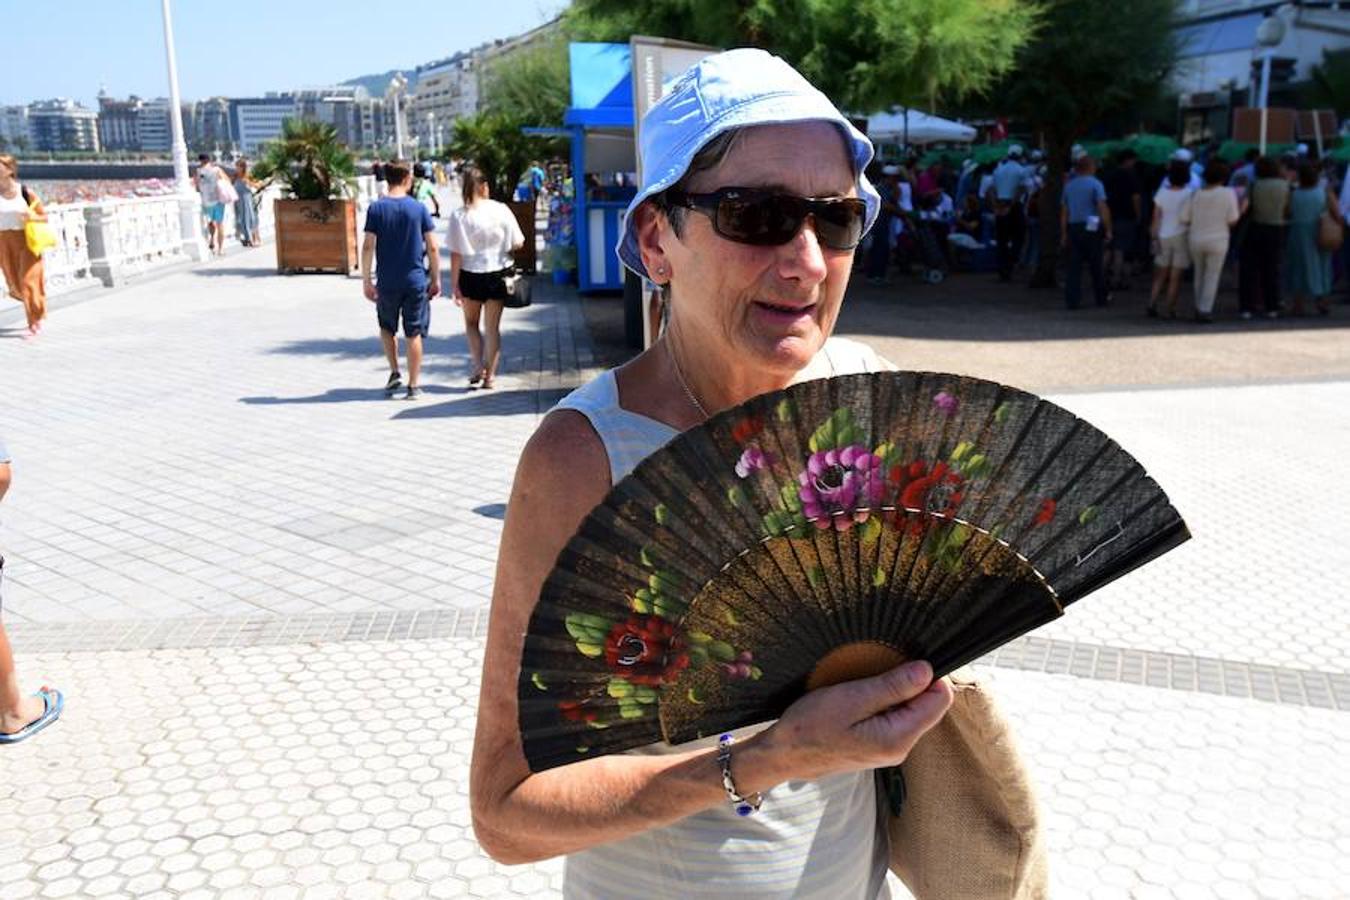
414, 393
394, 383
1247, 315
1272, 314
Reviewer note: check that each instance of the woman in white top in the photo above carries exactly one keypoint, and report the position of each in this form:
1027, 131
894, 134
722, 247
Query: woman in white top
22, 270
481, 235
1171, 251
754, 282
1210, 216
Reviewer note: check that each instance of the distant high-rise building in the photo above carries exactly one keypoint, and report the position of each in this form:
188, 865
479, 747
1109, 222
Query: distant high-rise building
209, 126
63, 125
119, 122
256, 120
153, 120
14, 127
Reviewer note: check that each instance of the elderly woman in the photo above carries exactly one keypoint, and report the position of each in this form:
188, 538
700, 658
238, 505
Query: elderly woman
752, 204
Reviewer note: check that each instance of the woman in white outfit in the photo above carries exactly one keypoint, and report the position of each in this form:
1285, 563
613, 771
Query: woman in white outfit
1171, 248
481, 236
1210, 216
752, 205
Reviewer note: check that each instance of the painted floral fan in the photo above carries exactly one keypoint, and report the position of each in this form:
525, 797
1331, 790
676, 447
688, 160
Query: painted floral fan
822, 533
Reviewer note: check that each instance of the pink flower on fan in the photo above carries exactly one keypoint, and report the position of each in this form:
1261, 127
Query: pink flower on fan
752, 460
946, 402
838, 481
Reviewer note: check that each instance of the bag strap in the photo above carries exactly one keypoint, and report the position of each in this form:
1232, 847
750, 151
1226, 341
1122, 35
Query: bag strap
27, 195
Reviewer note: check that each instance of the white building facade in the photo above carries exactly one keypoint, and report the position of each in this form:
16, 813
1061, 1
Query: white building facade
257, 120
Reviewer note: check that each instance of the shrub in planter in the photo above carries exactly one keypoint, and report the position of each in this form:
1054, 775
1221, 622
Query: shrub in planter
316, 217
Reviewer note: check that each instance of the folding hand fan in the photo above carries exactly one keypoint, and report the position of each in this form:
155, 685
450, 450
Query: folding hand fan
818, 534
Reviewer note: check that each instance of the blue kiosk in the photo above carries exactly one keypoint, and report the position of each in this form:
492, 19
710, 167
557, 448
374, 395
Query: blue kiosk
600, 125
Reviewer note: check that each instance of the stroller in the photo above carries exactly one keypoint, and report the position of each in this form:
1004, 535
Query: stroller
922, 240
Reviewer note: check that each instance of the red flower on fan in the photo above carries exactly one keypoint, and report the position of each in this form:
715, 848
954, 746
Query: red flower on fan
1045, 513
746, 428
646, 650
577, 711
938, 490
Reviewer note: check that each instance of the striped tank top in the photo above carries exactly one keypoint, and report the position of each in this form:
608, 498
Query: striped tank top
809, 839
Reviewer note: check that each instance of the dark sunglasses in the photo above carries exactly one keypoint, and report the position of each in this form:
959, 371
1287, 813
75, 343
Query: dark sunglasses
769, 219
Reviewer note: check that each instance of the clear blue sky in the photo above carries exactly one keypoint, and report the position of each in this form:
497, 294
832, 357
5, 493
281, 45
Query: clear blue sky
239, 48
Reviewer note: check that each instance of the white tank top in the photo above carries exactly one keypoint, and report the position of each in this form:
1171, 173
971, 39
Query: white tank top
810, 838
13, 210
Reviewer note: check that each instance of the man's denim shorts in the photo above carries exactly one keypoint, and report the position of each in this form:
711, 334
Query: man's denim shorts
214, 211
412, 305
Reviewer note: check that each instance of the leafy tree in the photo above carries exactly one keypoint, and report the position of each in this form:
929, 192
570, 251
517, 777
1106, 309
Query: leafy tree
1090, 60
1329, 87
866, 54
528, 88
532, 84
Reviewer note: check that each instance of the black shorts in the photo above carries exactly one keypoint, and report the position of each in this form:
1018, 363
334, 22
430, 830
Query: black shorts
483, 285
411, 305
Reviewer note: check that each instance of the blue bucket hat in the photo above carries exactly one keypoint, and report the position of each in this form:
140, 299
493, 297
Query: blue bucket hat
730, 90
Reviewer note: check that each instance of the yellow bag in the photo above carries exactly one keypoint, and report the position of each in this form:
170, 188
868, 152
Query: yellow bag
39, 235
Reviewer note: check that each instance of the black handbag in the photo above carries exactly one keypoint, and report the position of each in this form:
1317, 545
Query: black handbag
519, 289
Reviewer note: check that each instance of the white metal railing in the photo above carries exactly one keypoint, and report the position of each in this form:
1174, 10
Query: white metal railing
128, 237
66, 266
104, 243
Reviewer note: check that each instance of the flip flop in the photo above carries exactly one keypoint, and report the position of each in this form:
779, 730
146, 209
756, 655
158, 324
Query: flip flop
53, 703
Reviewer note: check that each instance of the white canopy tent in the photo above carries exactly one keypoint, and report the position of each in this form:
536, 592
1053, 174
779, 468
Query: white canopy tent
923, 128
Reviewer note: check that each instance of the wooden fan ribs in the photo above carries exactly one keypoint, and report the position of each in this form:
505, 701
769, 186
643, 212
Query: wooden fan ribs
946, 516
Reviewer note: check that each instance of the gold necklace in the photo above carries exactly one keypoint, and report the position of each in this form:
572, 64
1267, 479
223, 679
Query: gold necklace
679, 375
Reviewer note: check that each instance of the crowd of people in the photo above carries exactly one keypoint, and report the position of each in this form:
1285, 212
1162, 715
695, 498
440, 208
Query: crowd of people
1278, 222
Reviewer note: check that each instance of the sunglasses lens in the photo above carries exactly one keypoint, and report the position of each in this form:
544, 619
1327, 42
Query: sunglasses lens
762, 220
839, 223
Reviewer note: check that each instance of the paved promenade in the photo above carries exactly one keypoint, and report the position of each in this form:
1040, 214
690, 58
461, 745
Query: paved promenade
262, 586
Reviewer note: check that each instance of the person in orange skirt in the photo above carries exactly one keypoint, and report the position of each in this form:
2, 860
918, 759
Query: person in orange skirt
22, 270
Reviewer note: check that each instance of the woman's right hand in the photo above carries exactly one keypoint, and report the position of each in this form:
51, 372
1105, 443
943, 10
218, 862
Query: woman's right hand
864, 724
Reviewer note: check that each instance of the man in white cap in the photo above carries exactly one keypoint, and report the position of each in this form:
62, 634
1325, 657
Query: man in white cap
1186, 156
1005, 196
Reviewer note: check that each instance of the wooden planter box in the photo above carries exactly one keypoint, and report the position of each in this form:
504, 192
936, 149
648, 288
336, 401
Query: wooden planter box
316, 236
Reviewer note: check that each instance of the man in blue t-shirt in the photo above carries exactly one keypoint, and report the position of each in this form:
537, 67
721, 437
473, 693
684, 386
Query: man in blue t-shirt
401, 243
1085, 227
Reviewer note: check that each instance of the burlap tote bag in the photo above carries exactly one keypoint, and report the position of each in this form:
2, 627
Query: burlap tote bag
968, 827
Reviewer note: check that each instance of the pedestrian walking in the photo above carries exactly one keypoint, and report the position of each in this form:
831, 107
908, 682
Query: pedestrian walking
1085, 228
1307, 270
1007, 192
245, 215
1259, 258
1209, 219
22, 268
1171, 247
881, 249
20, 717
400, 242
481, 236
424, 190
208, 183
1124, 197
377, 169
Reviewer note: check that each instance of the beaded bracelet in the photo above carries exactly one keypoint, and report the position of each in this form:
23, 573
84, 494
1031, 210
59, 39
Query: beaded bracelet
744, 806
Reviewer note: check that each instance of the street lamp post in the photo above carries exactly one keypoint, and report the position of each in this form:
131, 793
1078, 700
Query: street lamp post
188, 212
433, 145
1268, 35
396, 86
